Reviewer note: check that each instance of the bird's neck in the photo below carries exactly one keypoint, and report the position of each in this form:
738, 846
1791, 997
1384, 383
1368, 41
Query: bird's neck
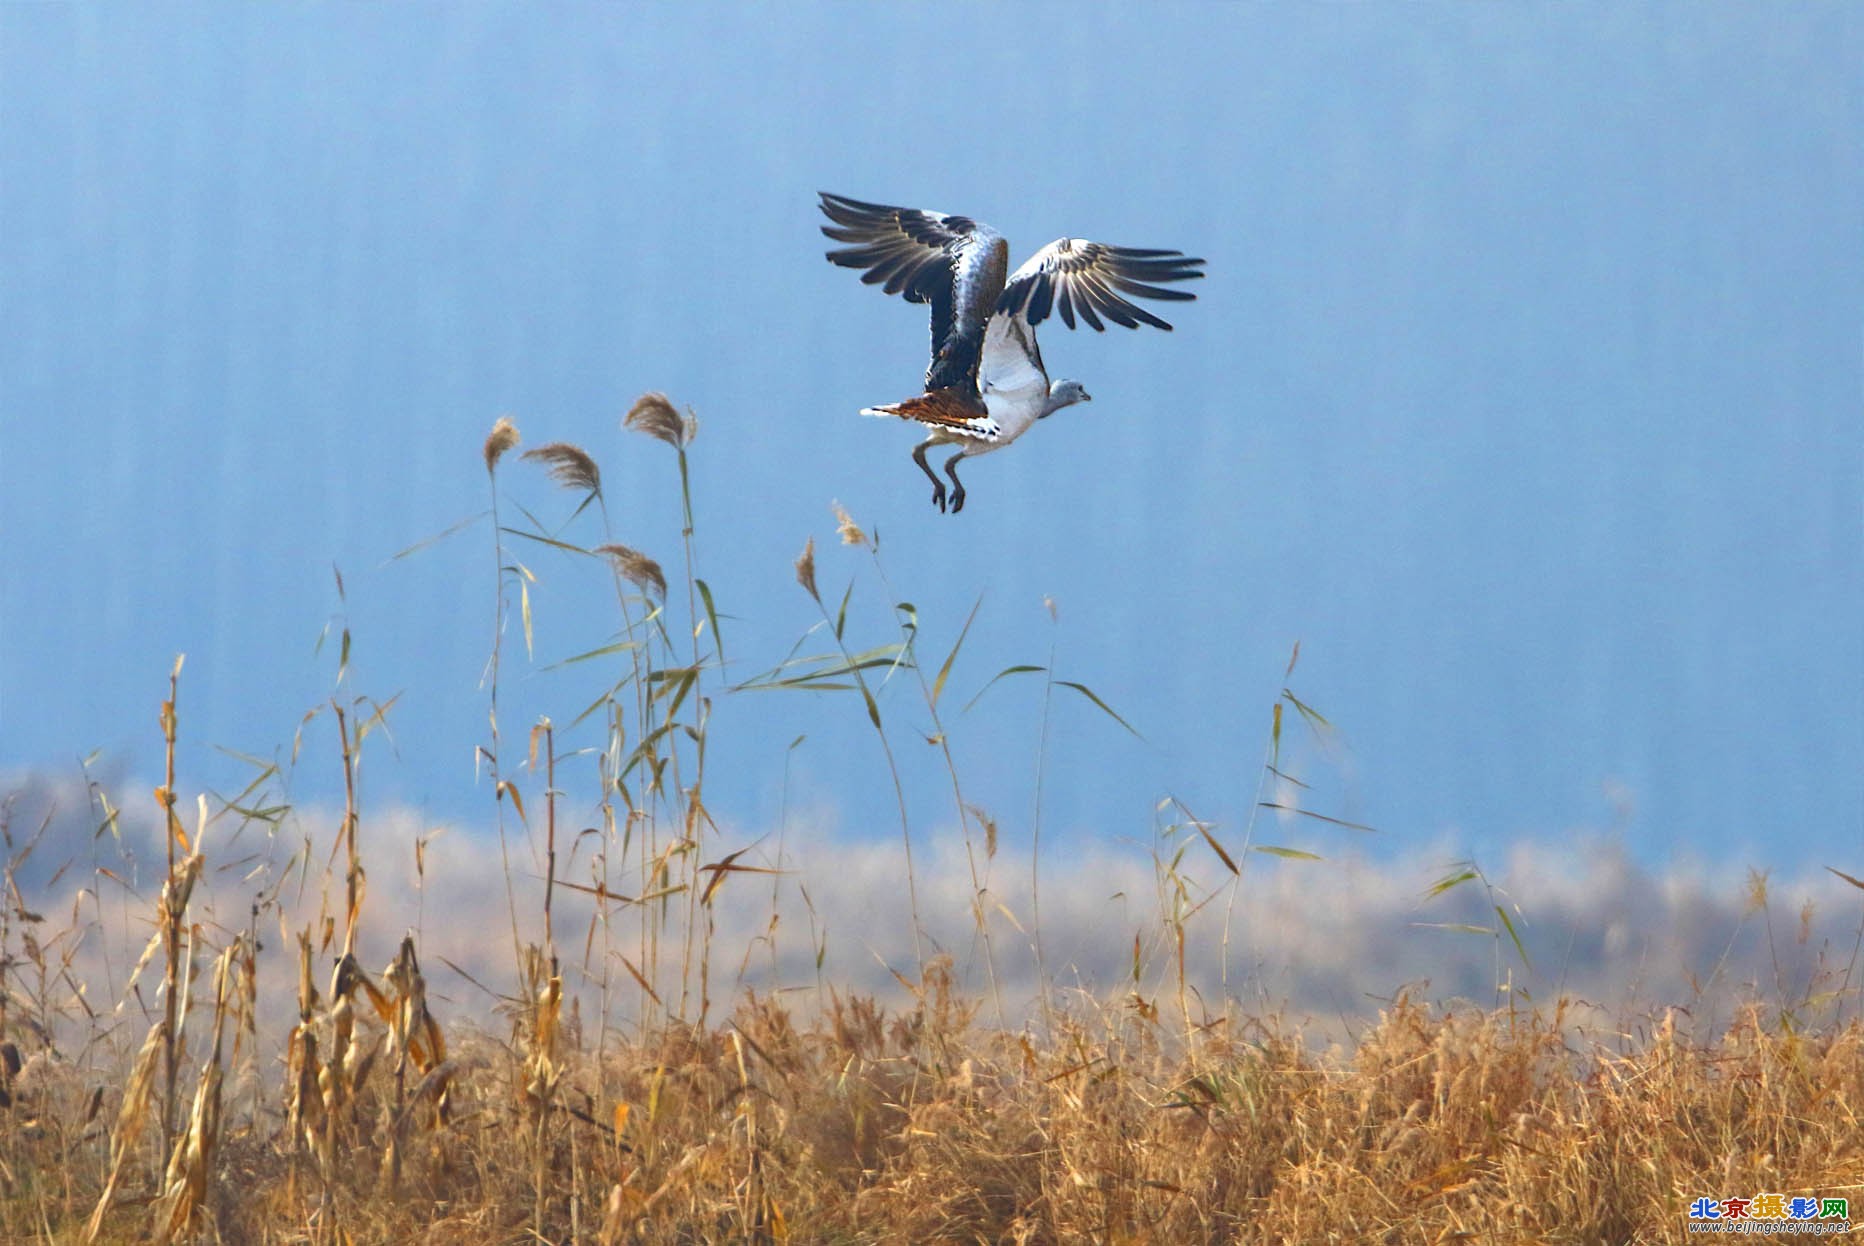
1052, 404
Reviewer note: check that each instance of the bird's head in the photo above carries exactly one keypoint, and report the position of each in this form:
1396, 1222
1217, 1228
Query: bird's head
1066, 394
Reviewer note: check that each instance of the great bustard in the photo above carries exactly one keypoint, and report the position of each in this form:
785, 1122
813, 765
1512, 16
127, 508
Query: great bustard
987, 386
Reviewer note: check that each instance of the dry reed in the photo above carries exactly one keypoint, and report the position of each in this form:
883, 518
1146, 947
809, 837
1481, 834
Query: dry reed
854, 1120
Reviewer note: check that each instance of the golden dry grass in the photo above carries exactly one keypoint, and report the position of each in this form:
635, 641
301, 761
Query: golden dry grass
374, 1117
921, 1125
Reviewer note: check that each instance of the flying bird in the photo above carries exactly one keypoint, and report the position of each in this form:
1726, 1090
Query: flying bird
987, 386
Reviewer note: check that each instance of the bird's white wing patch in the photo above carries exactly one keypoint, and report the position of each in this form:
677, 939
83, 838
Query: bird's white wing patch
1011, 364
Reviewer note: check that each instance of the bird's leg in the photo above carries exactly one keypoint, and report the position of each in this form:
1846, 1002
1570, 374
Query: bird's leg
957, 486
938, 486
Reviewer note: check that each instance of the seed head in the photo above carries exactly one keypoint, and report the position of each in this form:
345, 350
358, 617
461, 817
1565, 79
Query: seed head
637, 568
570, 466
654, 415
850, 531
805, 569
504, 436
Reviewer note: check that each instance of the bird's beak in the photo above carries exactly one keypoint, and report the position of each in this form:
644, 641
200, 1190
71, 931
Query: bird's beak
1086, 397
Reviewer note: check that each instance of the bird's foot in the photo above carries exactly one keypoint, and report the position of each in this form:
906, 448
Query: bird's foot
938, 496
957, 501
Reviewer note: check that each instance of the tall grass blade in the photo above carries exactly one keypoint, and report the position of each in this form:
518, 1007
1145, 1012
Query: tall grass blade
1318, 817
711, 614
1291, 854
1204, 830
1514, 936
1005, 672
1313, 716
568, 547
438, 537
1106, 709
944, 670
1455, 879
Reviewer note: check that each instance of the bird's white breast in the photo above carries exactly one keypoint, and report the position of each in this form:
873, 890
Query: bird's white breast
1015, 412
1011, 381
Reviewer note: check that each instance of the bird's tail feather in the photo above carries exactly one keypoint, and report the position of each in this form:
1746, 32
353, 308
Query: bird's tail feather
941, 408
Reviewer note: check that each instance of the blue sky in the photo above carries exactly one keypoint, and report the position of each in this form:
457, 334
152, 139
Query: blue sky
1524, 392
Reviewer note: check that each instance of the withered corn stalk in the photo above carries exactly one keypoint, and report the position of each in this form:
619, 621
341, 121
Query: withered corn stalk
130, 1120
190, 1166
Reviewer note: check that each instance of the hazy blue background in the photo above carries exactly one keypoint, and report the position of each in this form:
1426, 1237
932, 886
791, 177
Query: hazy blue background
1524, 391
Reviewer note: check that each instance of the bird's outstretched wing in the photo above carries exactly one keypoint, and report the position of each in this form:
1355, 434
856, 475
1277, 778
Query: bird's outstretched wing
954, 263
1073, 275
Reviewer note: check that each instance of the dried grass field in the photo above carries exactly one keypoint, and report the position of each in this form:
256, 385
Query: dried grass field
295, 1078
